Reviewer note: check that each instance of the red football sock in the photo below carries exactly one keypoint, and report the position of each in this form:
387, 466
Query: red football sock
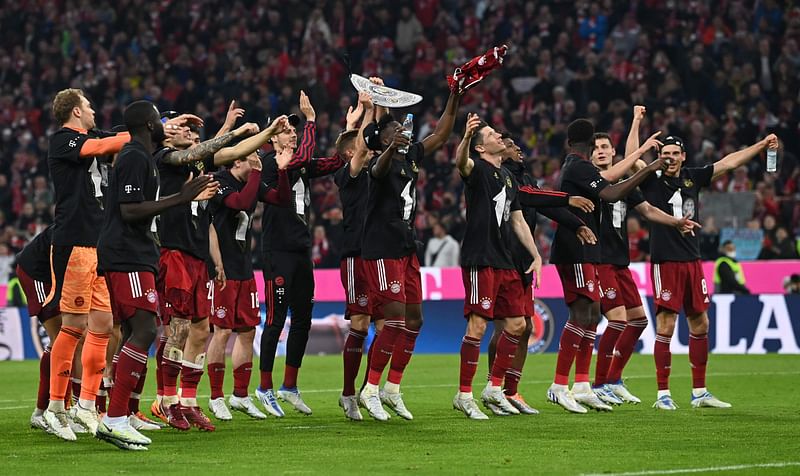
663, 358
605, 350
290, 376
100, 399
624, 348
241, 379
384, 346
400, 359
132, 362
470, 354
170, 370
162, 343
266, 380
190, 379
136, 394
568, 346
44, 380
216, 377
583, 359
93, 359
698, 358
504, 355
513, 376
61, 355
351, 360
370, 353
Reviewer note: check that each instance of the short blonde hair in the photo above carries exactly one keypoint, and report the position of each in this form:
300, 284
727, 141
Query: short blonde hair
64, 102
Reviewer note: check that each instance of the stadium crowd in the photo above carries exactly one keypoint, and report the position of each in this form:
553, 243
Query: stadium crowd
567, 59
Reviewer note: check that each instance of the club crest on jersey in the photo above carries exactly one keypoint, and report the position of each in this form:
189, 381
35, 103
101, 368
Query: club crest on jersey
151, 296
688, 183
508, 182
611, 293
414, 166
394, 286
486, 303
362, 300
221, 312
666, 295
403, 172
590, 286
497, 177
279, 281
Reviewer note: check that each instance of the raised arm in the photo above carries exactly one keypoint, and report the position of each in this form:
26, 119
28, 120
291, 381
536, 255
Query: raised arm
207, 149
233, 114
463, 163
620, 190
104, 146
618, 170
384, 162
246, 147
445, 125
362, 153
741, 157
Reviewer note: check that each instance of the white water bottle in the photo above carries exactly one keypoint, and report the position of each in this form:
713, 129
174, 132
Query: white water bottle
408, 127
772, 160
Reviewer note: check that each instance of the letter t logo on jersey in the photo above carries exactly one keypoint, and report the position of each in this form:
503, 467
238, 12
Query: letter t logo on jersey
128, 188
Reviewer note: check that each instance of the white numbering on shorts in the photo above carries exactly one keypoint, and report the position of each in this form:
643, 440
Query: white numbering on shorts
500, 205
408, 195
210, 286
704, 285
242, 225
195, 208
677, 204
254, 300
97, 178
618, 214
154, 223
299, 190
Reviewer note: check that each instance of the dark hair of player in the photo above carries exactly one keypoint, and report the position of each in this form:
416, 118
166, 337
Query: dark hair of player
477, 137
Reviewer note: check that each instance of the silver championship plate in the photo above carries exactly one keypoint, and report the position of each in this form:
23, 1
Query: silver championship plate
383, 95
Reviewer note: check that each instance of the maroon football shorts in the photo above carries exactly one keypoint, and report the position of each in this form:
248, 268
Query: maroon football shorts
131, 291
36, 292
579, 280
493, 293
618, 288
237, 305
183, 286
680, 284
394, 280
354, 273
528, 297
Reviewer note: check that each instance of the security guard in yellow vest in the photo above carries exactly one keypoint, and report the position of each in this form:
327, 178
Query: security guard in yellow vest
728, 274
15, 296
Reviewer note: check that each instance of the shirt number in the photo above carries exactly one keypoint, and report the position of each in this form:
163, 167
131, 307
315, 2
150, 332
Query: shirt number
254, 300
677, 204
97, 178
618, 214
408, 194
154, 223
299, 189
242, 225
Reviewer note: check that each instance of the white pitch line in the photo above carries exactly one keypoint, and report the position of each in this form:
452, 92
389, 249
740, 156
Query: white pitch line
738, 467
13, 408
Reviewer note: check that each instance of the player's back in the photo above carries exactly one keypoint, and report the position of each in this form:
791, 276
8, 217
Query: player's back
353, 195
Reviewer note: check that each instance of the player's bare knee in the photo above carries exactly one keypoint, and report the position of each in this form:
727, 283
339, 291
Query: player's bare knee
414, 316
515, 326
394, 309
526, 333
199, 331
179, 332
665, 323
698, 323
222, 333
476, 326
359, 322
378, 325
78, 321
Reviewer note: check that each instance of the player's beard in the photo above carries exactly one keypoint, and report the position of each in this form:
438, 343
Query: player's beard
157, 135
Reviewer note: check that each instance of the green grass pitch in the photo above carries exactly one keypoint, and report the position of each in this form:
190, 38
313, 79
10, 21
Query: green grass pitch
760, 435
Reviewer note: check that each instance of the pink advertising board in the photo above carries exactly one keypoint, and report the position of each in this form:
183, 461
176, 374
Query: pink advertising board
441, 284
